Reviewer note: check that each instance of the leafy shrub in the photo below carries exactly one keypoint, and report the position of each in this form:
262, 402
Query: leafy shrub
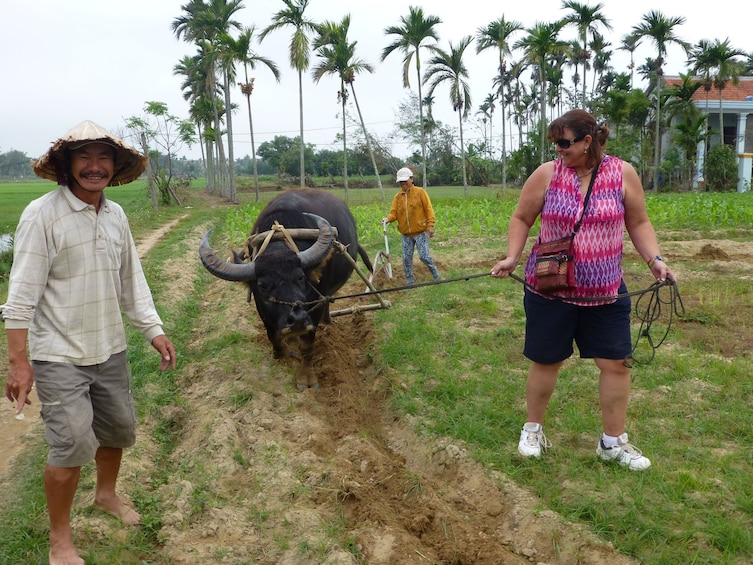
721, 169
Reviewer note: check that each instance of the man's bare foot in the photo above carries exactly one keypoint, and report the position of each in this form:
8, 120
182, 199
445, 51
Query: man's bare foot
65, 554
117, 508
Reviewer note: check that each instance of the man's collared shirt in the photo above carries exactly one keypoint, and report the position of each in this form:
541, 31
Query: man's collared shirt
75, 273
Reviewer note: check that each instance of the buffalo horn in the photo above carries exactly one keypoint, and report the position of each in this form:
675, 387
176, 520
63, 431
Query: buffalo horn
317, 252
236, 272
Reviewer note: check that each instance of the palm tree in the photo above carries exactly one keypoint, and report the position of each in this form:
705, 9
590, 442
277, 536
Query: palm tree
586, 18
516, 98
201, 108
337, 56
300, 51
483, 110
555, 78
630, 43
680, 97
748, 64
614, 105
574, 53
241, 50
661, 30
688, 134
600, 46
429, 123
450, 68
415, 29
717, 62
226, 59
205, 24
490, 104
497, 34
541, 45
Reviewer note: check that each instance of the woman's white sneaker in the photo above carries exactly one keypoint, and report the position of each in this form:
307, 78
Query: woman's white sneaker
624, 453
532, 440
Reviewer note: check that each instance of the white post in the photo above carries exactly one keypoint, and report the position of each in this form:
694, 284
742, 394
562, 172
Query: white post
744, 159
699, 181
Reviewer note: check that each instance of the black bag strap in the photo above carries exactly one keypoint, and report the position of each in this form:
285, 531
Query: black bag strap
587, 198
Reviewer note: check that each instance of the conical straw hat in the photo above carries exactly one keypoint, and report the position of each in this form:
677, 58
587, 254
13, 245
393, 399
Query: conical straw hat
53, 165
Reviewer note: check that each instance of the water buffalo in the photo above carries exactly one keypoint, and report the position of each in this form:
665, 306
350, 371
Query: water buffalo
288, 286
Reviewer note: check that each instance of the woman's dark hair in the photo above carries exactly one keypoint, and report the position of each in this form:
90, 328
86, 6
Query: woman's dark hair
582, 123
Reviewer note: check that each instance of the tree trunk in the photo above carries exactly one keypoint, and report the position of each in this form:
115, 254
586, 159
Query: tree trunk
253, 146
504, 132
343, 98
721, 115
585, 65
368, 141
149, 172
233, 191
491, 138
462, 152
211, 188
218, 169
425, 180
657, 142
300, 113
201, 147
543, 110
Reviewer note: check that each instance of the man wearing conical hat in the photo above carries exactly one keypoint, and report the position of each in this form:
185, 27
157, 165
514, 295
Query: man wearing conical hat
75, 273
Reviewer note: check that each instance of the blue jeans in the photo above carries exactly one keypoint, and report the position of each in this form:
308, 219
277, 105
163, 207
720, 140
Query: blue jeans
420, 242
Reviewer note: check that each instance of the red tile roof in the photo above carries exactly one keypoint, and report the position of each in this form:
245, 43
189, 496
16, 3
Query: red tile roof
730, 92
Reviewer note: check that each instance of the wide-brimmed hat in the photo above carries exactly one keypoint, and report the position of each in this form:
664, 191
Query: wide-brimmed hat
53, 165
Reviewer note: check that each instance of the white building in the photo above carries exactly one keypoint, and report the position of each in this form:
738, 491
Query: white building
736, 106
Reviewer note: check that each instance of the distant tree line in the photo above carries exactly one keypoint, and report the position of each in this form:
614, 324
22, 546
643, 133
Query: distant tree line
15, 165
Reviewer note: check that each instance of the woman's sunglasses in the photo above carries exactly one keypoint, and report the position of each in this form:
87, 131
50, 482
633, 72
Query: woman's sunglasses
566, 143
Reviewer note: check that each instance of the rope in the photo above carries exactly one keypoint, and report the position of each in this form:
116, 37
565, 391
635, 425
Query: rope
652, 312
409, 286
276, 229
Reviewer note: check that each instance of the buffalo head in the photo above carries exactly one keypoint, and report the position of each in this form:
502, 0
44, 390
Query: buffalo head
282, 282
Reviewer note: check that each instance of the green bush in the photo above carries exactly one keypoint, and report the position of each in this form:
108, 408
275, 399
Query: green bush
721, 169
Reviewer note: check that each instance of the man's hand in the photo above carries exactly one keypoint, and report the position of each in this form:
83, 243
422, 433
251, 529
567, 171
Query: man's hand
167, 350
19, 383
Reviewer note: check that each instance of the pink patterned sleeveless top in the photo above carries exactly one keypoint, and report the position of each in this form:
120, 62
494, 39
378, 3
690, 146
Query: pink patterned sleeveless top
599, 243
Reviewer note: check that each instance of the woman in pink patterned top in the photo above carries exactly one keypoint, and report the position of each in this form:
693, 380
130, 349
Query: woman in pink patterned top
555, 193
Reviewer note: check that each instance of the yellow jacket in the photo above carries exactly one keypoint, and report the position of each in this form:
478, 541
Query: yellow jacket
413, 211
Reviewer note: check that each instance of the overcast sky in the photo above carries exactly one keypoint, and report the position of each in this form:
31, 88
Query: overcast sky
64, 61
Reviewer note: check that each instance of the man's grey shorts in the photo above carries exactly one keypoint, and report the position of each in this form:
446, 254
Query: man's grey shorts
85, 407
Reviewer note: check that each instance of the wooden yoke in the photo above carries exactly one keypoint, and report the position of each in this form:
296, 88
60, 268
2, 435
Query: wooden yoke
257, 243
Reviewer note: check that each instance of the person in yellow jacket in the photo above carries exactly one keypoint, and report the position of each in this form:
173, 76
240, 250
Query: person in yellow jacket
412, 209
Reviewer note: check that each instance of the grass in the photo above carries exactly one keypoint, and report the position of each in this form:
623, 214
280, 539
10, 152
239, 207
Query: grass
690, 410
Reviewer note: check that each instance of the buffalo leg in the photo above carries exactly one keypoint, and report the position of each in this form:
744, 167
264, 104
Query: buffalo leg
278, 346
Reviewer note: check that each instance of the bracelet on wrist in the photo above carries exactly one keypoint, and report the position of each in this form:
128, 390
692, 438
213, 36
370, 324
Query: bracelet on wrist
653, 259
